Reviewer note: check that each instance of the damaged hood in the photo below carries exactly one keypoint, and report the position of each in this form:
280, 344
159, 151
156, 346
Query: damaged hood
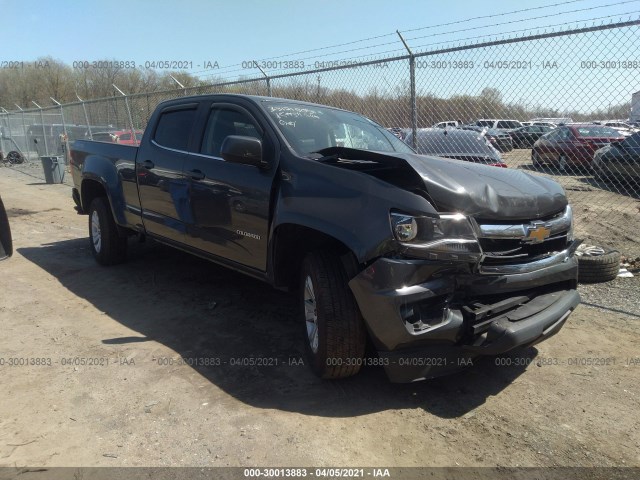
486, 192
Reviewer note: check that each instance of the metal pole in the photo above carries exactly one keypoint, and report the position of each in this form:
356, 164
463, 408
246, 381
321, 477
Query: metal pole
64, 125
24, 130
265, 76
126, 103
86, 117
184, 89
412, 87
44, 133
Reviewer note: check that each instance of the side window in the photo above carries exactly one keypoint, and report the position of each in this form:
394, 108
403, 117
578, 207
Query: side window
174, 127
125, 136
502, 125
222, 122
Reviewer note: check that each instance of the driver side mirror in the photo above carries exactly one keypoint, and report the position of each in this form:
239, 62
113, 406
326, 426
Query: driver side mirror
6, 244
244, 150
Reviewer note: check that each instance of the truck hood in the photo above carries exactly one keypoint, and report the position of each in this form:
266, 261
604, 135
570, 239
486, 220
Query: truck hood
480, 191
487, 192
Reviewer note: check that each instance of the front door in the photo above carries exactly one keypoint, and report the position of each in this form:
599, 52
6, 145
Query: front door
229, 201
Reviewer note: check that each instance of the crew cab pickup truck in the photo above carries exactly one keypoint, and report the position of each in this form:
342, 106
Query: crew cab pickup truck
432, 260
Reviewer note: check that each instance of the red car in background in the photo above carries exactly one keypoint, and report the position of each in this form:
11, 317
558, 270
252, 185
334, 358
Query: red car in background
127, 137
572, 144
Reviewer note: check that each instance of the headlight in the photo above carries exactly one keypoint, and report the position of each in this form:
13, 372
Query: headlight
569, 213
446, 236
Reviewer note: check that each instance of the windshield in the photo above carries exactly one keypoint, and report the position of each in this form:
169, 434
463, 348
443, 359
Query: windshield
312, 128
595, 131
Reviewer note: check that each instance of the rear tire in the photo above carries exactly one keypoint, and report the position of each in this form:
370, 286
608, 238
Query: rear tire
535, 159
562, 163
335, 336
107, 245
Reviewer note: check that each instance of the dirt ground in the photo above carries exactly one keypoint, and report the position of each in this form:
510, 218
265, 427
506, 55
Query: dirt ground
103, 383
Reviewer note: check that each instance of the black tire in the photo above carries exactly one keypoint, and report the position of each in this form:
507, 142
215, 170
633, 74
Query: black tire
15, 158
535, 159
598, 268
111, 248
341, 335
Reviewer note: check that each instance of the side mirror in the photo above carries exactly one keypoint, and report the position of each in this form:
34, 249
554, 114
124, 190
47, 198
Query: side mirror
244, 150
6, 244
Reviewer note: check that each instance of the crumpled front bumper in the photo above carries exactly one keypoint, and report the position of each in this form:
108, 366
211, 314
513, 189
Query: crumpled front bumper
429, 318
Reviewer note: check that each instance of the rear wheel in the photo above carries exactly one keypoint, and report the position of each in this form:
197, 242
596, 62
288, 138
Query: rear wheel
535, 159
335, 336
107, 245
562, 163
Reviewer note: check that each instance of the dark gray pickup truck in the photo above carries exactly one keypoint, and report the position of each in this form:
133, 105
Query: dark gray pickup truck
434, 261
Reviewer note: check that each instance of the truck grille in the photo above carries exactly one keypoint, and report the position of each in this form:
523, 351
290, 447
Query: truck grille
518, 243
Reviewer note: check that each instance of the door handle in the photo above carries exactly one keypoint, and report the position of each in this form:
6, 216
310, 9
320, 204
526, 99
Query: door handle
148, 164
196, 175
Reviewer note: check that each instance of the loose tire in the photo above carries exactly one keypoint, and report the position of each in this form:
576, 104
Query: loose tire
107, 245
598, 268
335, 336
15, 158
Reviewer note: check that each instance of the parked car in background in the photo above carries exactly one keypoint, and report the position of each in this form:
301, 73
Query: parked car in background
525, 137
125, 137
398, 132
572, 145
500, 140
555, 121
457, 144
448, 124
619, 160
624, 128
498, 124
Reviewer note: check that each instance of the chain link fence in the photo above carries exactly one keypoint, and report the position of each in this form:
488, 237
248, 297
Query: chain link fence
554, 104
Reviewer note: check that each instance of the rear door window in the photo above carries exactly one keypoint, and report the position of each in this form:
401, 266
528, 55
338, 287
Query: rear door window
174, 128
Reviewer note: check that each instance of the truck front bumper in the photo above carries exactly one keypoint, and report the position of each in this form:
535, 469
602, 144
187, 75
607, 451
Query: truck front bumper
429, 318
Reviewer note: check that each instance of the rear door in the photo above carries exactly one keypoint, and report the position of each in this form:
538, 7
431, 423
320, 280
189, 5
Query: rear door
229, 201
162, 185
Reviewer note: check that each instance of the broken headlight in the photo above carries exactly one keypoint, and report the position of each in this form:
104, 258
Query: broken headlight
444, 237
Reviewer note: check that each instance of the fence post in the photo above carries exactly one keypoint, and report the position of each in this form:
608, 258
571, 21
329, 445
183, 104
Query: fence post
126, 104
86, 117
24, 130
266, 77
412, 87
44, 133
64, 124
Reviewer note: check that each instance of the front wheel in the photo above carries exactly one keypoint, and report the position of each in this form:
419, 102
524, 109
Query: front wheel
107, 245
335, 336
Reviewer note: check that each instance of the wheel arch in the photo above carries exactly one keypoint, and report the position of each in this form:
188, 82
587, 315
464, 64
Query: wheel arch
292, 242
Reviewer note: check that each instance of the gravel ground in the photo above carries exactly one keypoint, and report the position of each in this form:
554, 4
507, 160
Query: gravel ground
621, 295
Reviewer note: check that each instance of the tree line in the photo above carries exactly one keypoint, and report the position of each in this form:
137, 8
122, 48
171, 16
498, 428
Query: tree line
47, 77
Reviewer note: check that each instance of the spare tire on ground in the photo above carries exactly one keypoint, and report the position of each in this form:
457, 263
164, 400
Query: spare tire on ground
596, 265
14, 157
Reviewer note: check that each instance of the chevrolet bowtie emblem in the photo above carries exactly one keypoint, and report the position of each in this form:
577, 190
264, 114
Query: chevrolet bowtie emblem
537, 234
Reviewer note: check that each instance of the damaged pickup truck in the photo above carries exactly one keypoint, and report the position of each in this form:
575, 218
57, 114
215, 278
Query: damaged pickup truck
434, 261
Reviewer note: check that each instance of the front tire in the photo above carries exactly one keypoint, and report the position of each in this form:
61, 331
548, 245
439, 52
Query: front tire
335, 336
107, 245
